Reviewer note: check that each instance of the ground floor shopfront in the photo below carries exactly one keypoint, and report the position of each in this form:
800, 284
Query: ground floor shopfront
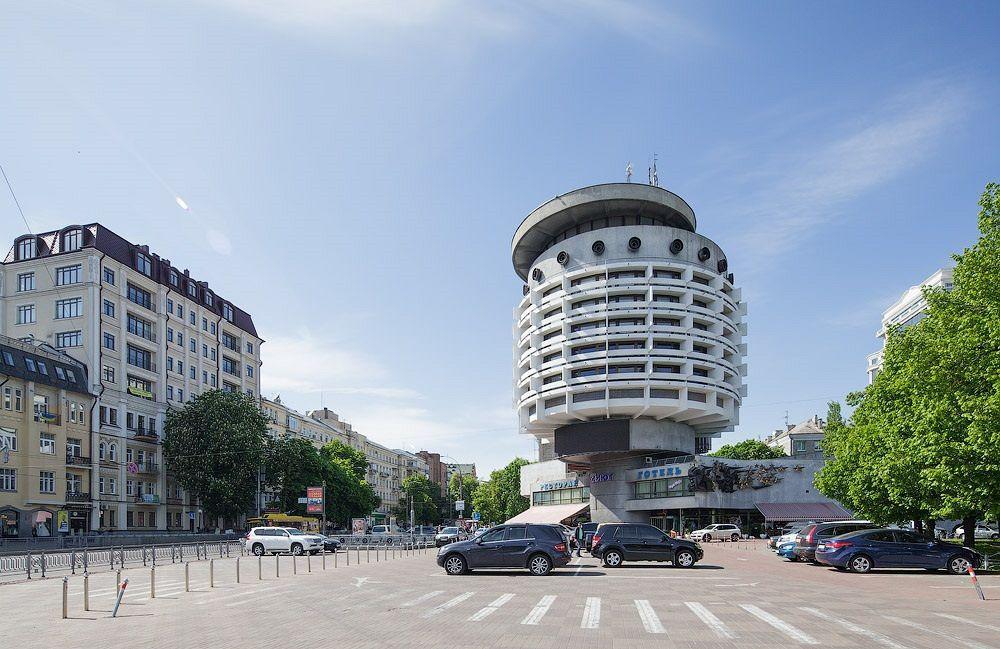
41, 522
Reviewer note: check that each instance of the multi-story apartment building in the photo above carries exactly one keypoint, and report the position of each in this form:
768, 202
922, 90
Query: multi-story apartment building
45, 458
153, 337
907, 310
437, 470
803, 440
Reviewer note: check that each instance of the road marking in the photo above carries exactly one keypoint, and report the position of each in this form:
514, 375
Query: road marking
851, 626
926, 629
779, 624
486, 611
454, 601
981, 625
591, 614
648, 616
541, 608
752, 583
250, 597
423, 598
709, 618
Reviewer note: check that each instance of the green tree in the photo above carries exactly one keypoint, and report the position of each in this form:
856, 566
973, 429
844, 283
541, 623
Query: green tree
463, 487
291, 464
499, 499
214, 447
924, 439
425, 497
748, 449
355, 459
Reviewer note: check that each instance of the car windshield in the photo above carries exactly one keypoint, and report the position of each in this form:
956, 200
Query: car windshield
450, 530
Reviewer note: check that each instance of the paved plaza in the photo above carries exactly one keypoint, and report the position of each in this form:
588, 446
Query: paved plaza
739, 596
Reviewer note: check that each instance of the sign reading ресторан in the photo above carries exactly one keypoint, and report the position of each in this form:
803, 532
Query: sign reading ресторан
652, 473
560, 484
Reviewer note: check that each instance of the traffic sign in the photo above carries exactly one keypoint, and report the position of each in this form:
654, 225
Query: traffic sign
460, 505
475, 516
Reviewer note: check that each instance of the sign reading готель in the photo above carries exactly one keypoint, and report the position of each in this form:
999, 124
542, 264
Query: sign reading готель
659, 472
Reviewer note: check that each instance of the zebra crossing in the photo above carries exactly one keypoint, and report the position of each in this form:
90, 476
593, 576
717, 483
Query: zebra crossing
732, 621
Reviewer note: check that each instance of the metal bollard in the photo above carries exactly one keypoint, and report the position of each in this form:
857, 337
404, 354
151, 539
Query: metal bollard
28, 565
368, 554
295, 567
121, 593
335, 558
65, 602
309, 567
211, 573
118, 579
277, 565
260, 574
324, 558
237, 570
86, 592
376, 554
187, 577
72, 562
152, 583
43, 565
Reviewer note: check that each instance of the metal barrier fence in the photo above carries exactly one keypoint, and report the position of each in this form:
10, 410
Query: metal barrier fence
32, 565
115, 540
363, 540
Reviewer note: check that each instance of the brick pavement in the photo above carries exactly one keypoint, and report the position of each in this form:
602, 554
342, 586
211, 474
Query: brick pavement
739, 596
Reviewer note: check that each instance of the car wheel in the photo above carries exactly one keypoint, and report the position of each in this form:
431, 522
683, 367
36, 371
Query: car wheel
455, 565
684, 559
959, 565
860, 564
734, 538
257, 549
707, 538
995, 536
296, 549
612, 558
539, 565
793, 558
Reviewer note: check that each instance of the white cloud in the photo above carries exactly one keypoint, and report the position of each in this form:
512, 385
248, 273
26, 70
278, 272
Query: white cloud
799, 192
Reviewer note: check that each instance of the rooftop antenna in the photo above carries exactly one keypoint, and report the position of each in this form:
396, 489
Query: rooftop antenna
628, 172
786, 419
654, 180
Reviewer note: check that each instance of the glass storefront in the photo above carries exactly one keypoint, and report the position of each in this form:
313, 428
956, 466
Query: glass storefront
9, 523
662, 488
561, 496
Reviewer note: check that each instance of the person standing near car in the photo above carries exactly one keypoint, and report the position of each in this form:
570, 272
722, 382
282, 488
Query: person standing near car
579, 535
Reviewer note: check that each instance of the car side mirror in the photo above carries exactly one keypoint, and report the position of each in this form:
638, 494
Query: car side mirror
479, 541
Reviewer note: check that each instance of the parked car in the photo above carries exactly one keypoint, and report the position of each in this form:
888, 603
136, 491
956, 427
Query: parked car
539, 548
787, 550
449, 535
983, 531
274, 540
789, 535
585, 535
717, 531
889, 548
330, 544
813, 535
424, 530
615, 543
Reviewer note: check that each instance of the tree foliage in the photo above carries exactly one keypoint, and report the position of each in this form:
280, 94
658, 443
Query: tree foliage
748, 449
292, 464
924, 438
463, 487
499, 498
214, 447
429, 505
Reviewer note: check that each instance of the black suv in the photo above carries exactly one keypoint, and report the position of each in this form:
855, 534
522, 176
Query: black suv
813, 535
539, 548
618, 542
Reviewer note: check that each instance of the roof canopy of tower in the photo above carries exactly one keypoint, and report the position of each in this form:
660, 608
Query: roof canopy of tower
584, 205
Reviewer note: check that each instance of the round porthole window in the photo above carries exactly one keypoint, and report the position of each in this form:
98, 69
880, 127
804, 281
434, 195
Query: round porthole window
676, 246
536, 275
563, 258
723, 265
634, 243
598, 248
525, 290
704, 254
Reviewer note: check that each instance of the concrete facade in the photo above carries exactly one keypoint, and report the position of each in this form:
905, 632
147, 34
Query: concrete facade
802, 441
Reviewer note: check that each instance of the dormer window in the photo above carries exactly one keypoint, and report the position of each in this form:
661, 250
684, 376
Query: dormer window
175, 279
192, 289
227, 312
209, 298
143, 264
26, 248
72, 240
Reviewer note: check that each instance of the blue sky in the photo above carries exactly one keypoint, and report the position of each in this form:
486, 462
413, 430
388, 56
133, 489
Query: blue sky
355, 171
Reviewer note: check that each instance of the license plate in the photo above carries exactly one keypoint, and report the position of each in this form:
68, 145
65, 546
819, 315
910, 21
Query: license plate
820, 548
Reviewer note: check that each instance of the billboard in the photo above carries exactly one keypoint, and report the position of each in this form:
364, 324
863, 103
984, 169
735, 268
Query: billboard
314, 500
358, 526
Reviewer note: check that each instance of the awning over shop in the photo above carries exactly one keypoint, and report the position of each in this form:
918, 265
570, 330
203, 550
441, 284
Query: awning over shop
550, 513
803, 512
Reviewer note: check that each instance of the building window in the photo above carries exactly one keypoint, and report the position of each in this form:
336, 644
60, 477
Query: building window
180, 367
69, 339
204, 324
204, 376
108, 373
109, 276
180, 395
212, 327
170, 363
180, 338
143, 264
175, 279
212, 352
25, 282
213, 380
140, 327
139, 358
229, 342
170, 305
204, 350
69, 308
8, 480
26, 248
109, 341
170, 393
170, 335
47, 443
26, 314
72, 240
250, 348
68, 275
8, 438
192, 290
209, 299
109, 308
250, 371
193, 345
193, 372
227, 312
47, 482
142, 386
180, 311
192, 318
139, 296
800, 446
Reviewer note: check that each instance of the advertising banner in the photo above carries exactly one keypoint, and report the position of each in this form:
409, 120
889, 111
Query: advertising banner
314, 500
358, 526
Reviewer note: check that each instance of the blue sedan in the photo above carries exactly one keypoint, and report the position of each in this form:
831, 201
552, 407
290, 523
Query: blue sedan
889, 548
787, 550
